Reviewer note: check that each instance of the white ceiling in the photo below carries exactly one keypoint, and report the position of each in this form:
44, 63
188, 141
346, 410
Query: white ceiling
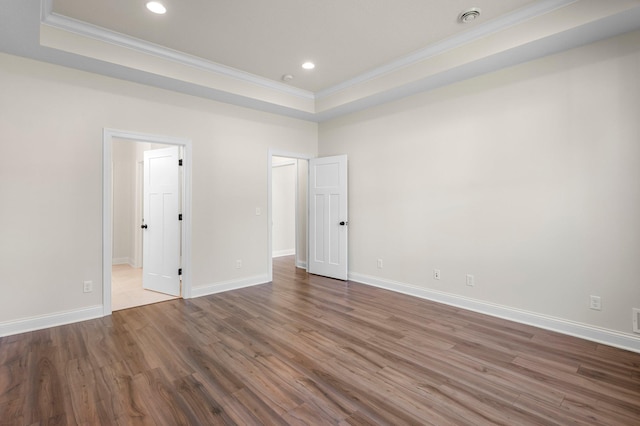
271, 38
367, 52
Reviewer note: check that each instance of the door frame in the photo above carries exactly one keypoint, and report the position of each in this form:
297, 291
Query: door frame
293, 155
107, 206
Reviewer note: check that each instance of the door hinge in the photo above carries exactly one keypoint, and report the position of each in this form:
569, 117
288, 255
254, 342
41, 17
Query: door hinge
180, 162
180, 216
180, 271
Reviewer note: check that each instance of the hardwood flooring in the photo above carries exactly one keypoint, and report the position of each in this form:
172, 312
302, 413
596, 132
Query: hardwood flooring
311, 350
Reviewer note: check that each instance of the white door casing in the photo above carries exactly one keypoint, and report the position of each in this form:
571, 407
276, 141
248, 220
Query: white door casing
328, 220
161, 226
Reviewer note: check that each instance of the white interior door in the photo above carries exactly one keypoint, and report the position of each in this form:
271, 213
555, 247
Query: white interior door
328, 217
161, 225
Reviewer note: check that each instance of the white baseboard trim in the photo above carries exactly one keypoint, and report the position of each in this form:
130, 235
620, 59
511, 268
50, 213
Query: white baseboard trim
584, 331
124, 261
228, 285
50, 320
600, 335
301, 264
280, 253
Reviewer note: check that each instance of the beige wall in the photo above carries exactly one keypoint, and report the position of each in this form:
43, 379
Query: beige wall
52, 119
527, 178
124, 181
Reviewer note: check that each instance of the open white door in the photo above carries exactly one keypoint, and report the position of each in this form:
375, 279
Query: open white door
161, 224
328, 217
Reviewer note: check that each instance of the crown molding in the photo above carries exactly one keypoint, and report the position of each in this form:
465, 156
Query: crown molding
480, 31
101, 34
88, 30
596, 21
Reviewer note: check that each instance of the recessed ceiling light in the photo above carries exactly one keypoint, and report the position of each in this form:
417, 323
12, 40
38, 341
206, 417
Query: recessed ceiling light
156, 7
308, 65
469, 15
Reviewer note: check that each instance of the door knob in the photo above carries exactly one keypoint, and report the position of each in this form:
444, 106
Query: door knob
343, 223
143, 226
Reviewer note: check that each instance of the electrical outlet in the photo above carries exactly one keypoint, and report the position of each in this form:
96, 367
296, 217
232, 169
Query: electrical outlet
595, 303
379, 263
87, 286
258, 211
238, 264
471, 281
436, 274
636, 320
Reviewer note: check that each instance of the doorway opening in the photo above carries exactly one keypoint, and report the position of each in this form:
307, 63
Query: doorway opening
287, 208
128, 289
128, 195
321, 224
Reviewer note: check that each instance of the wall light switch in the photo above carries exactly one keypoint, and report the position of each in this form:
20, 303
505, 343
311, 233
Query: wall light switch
471, 281
595, 303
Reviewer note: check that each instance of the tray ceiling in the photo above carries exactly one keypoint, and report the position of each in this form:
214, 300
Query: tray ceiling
366, 52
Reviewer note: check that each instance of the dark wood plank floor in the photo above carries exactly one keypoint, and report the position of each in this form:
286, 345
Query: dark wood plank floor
311, 350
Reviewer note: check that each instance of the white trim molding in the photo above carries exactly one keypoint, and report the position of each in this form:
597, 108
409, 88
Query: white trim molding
595, 334
281, 253
509, 20
40, 322
228, 285
118, 39
49, 17
592, 23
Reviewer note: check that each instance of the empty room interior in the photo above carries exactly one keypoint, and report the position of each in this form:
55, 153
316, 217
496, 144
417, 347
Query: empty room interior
344, 212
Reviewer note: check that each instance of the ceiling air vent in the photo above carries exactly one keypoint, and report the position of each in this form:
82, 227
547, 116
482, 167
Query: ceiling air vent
469, 15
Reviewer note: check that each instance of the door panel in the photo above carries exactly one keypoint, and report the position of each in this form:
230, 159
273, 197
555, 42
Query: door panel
317, 232
161, 236
328, 198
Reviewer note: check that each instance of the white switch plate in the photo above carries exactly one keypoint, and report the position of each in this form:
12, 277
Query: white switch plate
258, 211
238, 264
595, 303
87, 286
471, 281
379, 263
436, 274
636, 320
